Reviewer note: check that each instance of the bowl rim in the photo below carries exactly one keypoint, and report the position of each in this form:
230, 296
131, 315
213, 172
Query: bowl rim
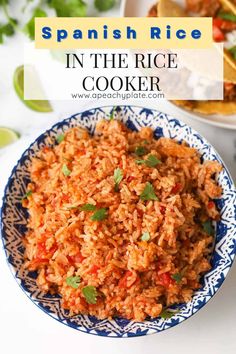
2, 232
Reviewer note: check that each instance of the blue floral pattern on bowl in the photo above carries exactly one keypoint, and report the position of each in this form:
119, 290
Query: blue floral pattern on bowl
14, 223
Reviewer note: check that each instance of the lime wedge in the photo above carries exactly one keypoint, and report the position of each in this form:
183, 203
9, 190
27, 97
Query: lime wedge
36, 105
7, 136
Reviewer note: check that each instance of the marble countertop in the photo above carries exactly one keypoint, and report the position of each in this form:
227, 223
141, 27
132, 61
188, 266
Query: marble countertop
26, 329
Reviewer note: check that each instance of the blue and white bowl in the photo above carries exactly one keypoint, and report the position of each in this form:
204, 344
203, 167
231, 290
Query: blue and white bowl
14, 224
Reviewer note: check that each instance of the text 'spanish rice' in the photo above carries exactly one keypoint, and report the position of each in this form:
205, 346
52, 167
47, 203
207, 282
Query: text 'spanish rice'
120, 222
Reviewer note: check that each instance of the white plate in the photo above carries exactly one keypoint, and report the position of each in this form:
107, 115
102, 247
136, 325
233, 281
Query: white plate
139, 8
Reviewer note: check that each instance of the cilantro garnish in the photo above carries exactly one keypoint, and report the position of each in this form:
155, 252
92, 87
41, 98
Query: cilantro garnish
227, 16
99, 215
118, 176
29, 28
140, 151
90, 294
60, 138
27, 194
151, 161
69, 8
207, 227
88, 207
104, 5
167, 314
177, 277
8, 29
148, 193
73, 282
65, 170
233, 52
145, 236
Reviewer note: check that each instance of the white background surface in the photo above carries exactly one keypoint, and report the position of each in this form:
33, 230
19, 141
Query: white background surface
26, 329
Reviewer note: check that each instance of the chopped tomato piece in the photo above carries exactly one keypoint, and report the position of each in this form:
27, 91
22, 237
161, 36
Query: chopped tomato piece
94, 269
130, 179
176, 188
211, 204
128, 279
46, 149
37, 262
166, 279
217, 22
41, 247
162, 209
218, 34
65, 198
77, 258
43, 252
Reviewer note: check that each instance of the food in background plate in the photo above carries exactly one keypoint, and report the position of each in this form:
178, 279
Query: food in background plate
224, 29
120, 224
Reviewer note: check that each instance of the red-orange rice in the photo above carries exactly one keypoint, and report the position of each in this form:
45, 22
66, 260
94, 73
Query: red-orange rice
131, 277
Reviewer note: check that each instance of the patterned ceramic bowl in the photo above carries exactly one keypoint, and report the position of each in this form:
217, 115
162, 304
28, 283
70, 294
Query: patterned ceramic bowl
14, 221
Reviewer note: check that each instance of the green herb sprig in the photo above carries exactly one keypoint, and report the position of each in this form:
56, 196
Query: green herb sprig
90, 294
118, 176
227, 16
26, 195
148, 193
60, 138
88, 207
73, 281
140, 151
62, 8
151, 161
104, 5
99, 215
177, 277
233, 51
208, 228
65, 170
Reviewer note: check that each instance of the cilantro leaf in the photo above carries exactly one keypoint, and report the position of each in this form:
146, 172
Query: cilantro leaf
177, 277
7, 30
118, 176
104, 5
69, 8
90, 294
99, 215
65, 170
60, 138
167, 314
27, 194
145, 236
207, 227
148, 193
233, 52
29, 28
88, 207
73, 282
151, 161
227, 16
140, 150
3, 2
